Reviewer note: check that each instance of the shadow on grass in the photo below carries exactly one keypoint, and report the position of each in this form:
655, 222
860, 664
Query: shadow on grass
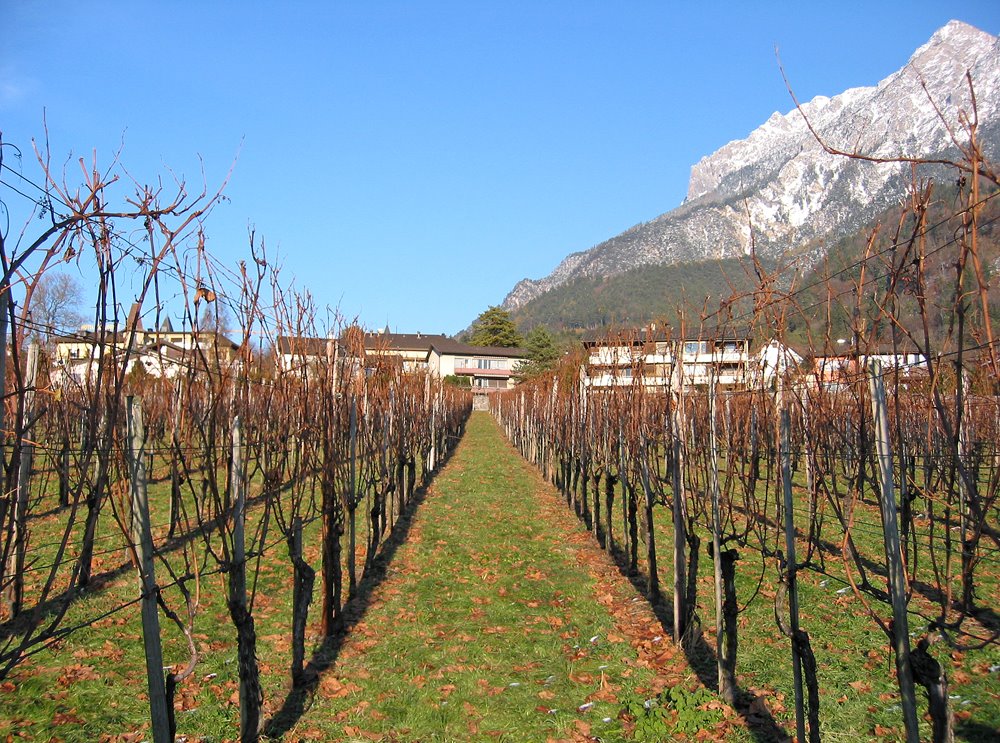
300, 696
702, 659
700, 655
55, 606
982, 613
976, 732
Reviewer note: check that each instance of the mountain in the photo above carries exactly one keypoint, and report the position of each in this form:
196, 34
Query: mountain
797, 197
639, 295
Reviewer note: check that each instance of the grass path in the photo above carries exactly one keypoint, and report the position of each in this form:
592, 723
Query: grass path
498, 619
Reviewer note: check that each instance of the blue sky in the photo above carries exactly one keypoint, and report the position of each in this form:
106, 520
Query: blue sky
411, 161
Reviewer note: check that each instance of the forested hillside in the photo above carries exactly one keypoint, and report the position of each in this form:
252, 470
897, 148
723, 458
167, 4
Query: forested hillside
639, 296
827, 297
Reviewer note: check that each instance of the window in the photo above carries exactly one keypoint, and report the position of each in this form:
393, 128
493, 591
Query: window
490, 383
491, 364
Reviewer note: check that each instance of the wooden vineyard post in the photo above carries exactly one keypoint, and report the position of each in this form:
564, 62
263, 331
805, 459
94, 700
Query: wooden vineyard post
175, 470
251, 696
622, 479
550, 447
238, 571
724, 643
352, 494
893, 553
4, 309
791, 568
301, 597
609, 484
333, 528
609, 498
432, 453
19, 522
392, 467
965, 493
143, 540
95, 496
584, 447
573, 473
803, 658
652, 577
64, 471
595, 509
330, 499
678, 505
810, 476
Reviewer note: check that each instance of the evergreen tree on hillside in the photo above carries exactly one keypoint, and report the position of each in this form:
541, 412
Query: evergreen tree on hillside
495, 328
542, 354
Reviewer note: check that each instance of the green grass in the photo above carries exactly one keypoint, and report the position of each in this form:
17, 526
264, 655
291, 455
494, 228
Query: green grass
859, 698
486, 626
481, 629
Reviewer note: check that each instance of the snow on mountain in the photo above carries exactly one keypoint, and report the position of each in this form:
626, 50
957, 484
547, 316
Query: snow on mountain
780, 179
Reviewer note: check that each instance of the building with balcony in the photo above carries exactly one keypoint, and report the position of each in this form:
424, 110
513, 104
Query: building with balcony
838, 370
487, 368
649, 357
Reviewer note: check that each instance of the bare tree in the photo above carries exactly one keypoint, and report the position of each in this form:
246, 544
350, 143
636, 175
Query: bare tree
215, 316
55, 305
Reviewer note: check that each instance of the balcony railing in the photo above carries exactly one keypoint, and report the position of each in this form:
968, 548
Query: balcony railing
471, 371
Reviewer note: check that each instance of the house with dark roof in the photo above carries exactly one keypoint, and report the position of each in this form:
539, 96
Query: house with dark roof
408, 351
163, 352
486, 368
413, 349
302, 353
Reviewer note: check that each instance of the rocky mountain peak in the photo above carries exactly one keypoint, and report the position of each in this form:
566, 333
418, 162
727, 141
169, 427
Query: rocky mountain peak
794, 191
957, 34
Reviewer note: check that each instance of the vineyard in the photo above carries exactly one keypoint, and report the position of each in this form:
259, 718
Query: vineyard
881, 480
191, 498
202, 473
